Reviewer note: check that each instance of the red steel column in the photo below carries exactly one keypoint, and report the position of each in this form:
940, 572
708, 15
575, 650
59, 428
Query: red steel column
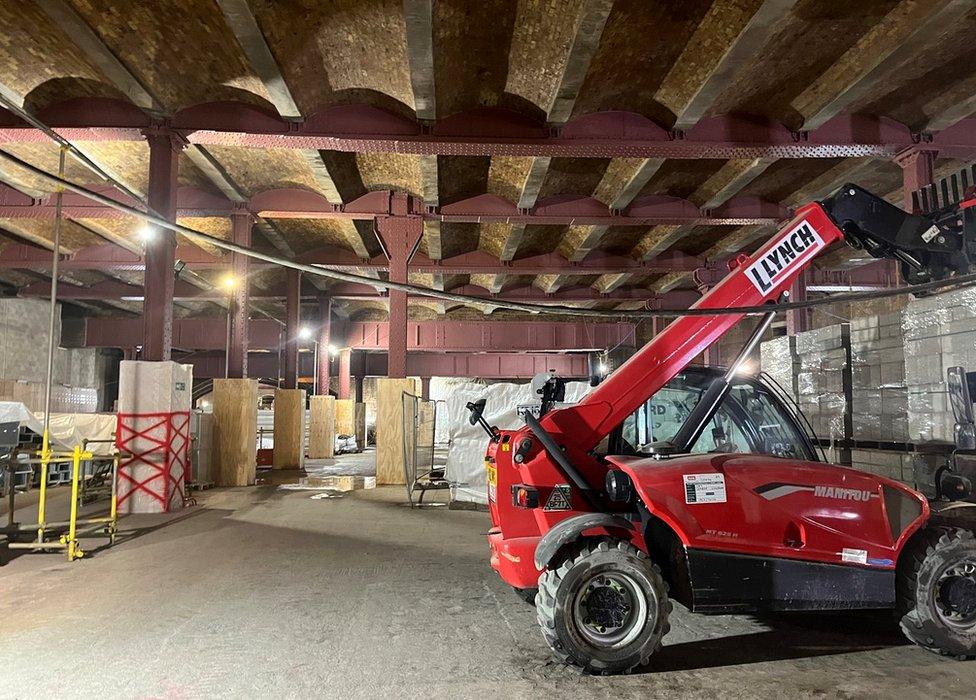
425, 388
239, 291
324, 341
359, 389
917, 168
293, 318
345, 372
164, 151
400, 235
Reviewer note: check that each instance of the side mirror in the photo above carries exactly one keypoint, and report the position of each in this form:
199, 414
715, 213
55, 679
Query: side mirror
477, 417
477, 409
960, 398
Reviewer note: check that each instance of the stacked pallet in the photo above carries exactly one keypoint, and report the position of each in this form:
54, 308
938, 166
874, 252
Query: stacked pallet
879, 397
777, 358
939, 332
823, 380
891, 464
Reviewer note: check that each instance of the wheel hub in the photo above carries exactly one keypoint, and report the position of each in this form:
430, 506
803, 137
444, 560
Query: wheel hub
607, 604
610, 609
956, 594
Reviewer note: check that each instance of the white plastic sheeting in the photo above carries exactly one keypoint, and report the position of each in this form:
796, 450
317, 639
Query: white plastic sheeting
67, 429
466, 457
441, 390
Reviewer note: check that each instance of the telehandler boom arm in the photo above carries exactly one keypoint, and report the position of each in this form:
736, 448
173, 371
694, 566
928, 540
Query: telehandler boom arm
926, 250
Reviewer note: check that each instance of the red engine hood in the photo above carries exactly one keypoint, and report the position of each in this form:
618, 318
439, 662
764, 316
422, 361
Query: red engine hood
778, 507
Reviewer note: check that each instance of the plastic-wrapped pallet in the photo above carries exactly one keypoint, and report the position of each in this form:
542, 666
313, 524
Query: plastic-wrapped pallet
824, 380
466, 457
888, 463
154, 434
939, 332
777, 358
879, 398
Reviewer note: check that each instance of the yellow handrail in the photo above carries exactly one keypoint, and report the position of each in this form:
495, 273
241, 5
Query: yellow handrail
69, 540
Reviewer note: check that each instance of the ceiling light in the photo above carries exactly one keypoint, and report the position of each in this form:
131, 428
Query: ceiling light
305, 333
147, 233
229, 282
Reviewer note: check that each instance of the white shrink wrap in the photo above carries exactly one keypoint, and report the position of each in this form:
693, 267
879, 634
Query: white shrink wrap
939, 332
466, 456
154, 426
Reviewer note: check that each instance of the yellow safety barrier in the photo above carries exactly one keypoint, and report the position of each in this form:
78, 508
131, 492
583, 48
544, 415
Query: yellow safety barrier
69, 540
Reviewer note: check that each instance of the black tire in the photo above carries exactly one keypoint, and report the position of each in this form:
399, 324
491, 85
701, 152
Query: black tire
937, 591
612, 579
526, 594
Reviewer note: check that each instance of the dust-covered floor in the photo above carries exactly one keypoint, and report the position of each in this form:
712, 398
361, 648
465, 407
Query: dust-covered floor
259, 592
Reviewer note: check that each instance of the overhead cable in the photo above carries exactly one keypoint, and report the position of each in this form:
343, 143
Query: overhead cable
951, 283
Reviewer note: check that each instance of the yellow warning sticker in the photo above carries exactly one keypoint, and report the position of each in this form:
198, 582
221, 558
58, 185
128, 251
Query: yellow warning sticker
492, 474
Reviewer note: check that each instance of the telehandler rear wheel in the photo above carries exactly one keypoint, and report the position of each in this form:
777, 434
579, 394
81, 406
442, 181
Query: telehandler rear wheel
604, 607
937, 591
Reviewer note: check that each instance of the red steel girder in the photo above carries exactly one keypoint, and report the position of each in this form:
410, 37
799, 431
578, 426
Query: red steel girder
492, 131
193, 334
22, 256
492, 336
294, 203
490, 365
117, 290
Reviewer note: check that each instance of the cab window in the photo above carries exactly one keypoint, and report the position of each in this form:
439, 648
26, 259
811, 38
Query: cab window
749, 420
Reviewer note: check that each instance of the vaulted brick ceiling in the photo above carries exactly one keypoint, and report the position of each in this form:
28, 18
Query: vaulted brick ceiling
795, 63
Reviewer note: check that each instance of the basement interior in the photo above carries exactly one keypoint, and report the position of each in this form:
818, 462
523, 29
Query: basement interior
443, 348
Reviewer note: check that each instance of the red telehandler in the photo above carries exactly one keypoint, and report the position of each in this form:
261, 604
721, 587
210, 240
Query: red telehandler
702, 486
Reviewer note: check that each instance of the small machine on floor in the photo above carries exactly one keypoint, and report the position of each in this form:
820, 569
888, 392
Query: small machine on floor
702, 486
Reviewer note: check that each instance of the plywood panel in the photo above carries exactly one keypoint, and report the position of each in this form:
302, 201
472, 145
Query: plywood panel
235, 421
321, 427
289, 429
345, 411
389, 428
359, 420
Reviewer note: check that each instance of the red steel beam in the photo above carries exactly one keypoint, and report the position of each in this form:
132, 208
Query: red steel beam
116, 290
190, 202
210, 365
23, 256
492, 336
555, 210
295, 203
492, 131
188, 333
201, 334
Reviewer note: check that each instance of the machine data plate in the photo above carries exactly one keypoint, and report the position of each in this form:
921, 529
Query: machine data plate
704, 488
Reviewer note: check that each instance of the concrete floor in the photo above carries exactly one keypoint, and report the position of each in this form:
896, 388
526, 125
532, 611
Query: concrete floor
258, 592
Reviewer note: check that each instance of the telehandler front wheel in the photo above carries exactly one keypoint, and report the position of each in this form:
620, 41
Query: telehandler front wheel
937, 591
604, 607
